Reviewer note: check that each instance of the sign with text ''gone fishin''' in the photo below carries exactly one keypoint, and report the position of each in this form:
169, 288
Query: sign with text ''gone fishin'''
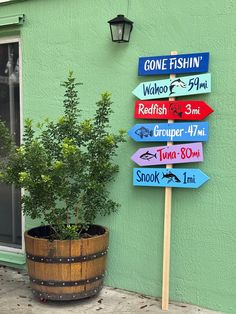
173, 64
181, 86
161, 155
163, 177
165, 132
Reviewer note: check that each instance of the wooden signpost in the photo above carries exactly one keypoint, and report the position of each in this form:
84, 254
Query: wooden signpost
181, 86
177, 132
178, 178
150, 108
175, 110
173, 64
167, 228
162, 155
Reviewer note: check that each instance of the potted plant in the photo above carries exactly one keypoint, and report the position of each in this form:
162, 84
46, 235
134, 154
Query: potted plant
64, 169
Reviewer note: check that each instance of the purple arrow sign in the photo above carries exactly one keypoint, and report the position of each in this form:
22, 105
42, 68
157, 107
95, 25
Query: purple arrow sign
161, 155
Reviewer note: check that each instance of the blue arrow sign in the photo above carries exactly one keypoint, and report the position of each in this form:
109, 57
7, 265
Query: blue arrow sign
177, 178
181, 86
172, 64
165, 132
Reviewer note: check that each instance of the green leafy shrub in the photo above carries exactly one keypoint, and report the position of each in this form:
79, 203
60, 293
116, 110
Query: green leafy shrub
65, 166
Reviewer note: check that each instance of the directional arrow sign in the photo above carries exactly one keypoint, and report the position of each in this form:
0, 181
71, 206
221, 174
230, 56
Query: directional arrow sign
172, 64
177, 178
162, 155
181, 86
165, 132
173, 110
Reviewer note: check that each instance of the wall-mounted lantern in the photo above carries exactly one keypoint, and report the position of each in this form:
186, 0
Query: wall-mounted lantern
121, 28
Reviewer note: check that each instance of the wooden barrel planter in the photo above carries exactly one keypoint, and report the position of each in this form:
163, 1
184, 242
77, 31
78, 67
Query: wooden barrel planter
66, 269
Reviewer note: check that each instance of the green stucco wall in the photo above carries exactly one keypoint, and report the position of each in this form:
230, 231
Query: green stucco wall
60, 35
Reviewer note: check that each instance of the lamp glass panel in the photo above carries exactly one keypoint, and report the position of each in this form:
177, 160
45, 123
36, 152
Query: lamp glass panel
117, 31
127, 32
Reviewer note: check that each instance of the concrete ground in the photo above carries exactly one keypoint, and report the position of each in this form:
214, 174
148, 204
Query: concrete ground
16, 297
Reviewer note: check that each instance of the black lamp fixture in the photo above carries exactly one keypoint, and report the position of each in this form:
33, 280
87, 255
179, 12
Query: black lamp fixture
121, 28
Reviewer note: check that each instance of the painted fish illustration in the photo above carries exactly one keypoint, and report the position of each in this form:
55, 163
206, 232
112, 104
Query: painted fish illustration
176, 83
171, 177
143, 132
148, 156
175, 111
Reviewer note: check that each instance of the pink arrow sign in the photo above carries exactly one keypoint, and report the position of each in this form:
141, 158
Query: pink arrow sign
174, 154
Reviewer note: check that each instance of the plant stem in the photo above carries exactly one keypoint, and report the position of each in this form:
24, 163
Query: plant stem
76, 215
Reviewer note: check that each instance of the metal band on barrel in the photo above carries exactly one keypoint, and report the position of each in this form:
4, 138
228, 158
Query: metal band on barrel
53, 283
63, 260
67, 296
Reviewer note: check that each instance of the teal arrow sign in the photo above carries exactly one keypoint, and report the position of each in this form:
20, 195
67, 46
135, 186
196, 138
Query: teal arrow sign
177, 178
181, 86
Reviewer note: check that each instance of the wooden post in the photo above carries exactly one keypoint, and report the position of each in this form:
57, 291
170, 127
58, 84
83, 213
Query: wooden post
167, 231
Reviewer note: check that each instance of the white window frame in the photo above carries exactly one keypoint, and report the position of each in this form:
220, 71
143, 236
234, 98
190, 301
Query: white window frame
3, 1
9, 1
9, 40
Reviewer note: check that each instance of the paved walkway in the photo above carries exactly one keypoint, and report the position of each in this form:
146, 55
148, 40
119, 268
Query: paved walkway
16, 297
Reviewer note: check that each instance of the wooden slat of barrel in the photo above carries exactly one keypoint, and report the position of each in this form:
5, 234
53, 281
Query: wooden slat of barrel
94, 267
50, 271
61, 271
76, 268
41, 244
95, 244
29, 244
40, 247
94, 285
84, 266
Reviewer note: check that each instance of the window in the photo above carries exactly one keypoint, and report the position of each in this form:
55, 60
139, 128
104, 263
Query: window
10, 208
